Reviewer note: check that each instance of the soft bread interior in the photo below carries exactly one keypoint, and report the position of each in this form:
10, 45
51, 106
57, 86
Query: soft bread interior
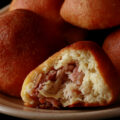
91, 89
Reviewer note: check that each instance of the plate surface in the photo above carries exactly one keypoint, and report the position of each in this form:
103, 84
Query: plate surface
4, 10
15, 107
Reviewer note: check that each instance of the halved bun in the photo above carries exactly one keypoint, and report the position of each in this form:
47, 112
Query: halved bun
78, 75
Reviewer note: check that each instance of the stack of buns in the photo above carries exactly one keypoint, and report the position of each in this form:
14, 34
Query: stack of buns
38, 64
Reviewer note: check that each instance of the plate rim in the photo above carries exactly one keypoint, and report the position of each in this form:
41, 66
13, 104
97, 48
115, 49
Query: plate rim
4, 9
31, 113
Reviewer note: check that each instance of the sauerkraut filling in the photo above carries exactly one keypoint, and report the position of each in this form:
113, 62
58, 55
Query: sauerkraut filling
59, 88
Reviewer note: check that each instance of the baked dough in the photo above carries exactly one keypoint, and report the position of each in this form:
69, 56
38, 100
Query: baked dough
111, 46
49, 9
91, 14
26, 40
79, 75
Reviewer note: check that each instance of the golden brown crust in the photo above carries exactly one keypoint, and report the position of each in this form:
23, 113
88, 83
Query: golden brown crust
26, 40
91, 14
16, 60
50, 10
111, 46
105, 66
46, 8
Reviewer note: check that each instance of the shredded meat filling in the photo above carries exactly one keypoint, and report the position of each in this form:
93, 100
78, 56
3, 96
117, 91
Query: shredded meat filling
50, 101
77, 76
69, 72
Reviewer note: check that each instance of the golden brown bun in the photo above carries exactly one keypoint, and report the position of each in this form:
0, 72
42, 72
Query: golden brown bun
26, 40
46, 8
93, 80
91, 14
50, 9
111, 46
